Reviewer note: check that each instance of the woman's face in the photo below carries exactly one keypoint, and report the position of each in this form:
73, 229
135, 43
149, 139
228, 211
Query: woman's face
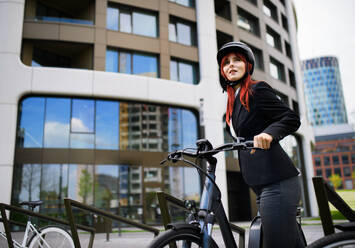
233, 67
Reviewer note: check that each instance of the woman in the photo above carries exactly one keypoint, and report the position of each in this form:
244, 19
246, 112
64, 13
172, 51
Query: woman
256, 113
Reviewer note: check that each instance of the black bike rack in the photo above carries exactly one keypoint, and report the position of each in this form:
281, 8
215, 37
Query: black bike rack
7, 222
324, 194
164, 198
69, 204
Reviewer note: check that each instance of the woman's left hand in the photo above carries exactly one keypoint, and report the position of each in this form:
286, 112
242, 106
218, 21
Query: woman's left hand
263, 140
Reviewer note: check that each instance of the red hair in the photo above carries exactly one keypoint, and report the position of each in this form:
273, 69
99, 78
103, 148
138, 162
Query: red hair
245, 88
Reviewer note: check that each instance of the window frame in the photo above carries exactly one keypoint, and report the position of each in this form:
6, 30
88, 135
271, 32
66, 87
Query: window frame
132, 53
131, 10
194, 66
173, 20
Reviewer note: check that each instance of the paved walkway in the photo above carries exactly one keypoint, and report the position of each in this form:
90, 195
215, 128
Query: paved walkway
136, 239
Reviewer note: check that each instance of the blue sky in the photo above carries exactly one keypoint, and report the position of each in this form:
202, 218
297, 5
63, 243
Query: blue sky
326, 28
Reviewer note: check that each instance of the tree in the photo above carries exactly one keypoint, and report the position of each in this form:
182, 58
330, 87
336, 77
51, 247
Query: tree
336, 181
85, 185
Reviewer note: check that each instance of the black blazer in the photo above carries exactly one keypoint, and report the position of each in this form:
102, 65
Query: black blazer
268, 114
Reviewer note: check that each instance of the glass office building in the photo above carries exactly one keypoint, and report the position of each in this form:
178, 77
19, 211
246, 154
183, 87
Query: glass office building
323, 91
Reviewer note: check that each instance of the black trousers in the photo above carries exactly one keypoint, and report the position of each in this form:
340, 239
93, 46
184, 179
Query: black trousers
277, 204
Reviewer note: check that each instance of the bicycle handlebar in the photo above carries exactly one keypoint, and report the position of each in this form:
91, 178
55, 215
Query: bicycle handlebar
175, 156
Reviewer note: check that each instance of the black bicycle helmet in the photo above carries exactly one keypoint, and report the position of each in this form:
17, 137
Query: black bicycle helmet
237, 47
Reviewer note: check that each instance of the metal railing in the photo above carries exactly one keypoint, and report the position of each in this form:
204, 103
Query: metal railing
324, 194
163, 200
6, 222
69, 204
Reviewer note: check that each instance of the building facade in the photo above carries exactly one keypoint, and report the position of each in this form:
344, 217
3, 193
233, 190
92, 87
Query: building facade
324, 91
95, 93
334, 154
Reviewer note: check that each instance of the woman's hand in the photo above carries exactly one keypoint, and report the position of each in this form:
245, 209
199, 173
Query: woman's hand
263, 140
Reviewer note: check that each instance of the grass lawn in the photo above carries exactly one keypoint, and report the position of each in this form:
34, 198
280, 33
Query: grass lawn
348, 196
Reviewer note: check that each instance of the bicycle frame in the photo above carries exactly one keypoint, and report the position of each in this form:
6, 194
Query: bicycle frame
29, 228
212, 204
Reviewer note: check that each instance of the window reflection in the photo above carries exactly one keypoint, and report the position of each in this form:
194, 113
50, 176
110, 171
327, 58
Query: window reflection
82, 120
183, 71
145, 65
132, 63
100, 124
111, 61
182, 32
106, 125
56, 129
30, 133
127, 19
112, 18
144, 24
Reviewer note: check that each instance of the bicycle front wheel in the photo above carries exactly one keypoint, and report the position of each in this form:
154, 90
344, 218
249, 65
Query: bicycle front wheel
341, 239
51, 237
187, 238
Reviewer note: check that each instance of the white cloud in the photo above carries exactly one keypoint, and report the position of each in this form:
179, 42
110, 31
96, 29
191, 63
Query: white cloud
77, 125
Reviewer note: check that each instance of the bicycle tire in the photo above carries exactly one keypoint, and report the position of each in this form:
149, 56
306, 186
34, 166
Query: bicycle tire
341, 239
56, 237
192, 236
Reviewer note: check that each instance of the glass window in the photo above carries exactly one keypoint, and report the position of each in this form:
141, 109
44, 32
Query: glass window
125, 63
288, 50
277, 69
347, 171
27, 184
81, 183
222, 9
111, 125
132, 63
183, 71
57, 122
270, 10
187, 3
145, 24
328, 173
353, 158
345, 159
145, 65
317, 161
319, 173
291, 77
128, 20
248, 22
125, 21
182, 32
107, 124
337, 171
284, 22
172, 32
326, 160
82, 124
335, 159
111, 61
273, 38
30, 132
112, 18
82, 120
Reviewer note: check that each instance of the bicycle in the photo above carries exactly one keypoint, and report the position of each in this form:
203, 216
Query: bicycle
197, 231
46, 237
